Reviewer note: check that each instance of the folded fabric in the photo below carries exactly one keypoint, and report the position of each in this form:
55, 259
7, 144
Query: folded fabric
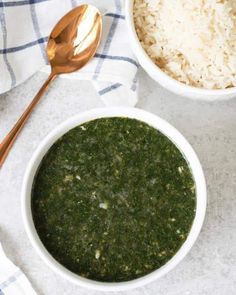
25, 26
12, 279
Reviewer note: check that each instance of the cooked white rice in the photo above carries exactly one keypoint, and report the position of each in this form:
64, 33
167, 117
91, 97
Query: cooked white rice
193, 41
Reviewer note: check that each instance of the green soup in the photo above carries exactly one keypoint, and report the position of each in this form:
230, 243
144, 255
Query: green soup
113, 200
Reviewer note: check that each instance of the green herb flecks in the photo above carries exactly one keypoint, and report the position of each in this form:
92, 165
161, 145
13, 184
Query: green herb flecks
113, 200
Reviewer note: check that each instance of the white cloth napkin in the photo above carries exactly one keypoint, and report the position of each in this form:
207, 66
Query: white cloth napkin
12, 279
25, 26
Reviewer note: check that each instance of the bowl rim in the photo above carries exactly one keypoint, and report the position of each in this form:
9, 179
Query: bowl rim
145, 59
173, 134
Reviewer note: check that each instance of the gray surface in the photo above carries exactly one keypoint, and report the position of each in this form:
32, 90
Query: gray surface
210, 268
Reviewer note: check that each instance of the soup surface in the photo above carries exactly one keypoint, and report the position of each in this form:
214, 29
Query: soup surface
113, 199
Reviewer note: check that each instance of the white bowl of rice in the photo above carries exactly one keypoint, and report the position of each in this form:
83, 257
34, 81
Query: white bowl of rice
187, 46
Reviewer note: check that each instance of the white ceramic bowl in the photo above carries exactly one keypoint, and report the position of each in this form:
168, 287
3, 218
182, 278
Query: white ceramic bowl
161, 77
157, 123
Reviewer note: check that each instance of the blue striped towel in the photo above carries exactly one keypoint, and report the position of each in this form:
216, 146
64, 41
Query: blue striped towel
25, 26
12, 279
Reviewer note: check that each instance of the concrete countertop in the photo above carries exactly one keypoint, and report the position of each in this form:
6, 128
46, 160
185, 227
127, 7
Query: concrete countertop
210, 267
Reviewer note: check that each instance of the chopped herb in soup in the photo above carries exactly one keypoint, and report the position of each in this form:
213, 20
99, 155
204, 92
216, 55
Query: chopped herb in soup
113, 200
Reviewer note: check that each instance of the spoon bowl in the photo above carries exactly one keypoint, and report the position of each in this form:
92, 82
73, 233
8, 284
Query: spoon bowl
74, 39
72, 43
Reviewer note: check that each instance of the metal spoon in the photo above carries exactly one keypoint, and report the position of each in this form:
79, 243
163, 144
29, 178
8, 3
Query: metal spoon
72, 43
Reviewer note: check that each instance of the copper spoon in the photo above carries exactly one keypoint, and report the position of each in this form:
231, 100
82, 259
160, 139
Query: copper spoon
72, 43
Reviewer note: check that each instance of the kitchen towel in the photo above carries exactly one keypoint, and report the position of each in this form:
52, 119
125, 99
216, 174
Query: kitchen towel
12, 279
25, 26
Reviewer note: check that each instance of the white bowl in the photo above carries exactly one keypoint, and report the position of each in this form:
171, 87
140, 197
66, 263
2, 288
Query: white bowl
161, 77
157, 123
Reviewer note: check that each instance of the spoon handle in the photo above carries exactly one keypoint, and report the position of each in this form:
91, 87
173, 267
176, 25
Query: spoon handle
9, 140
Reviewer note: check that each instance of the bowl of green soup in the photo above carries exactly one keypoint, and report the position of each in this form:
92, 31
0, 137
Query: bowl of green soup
113, 198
